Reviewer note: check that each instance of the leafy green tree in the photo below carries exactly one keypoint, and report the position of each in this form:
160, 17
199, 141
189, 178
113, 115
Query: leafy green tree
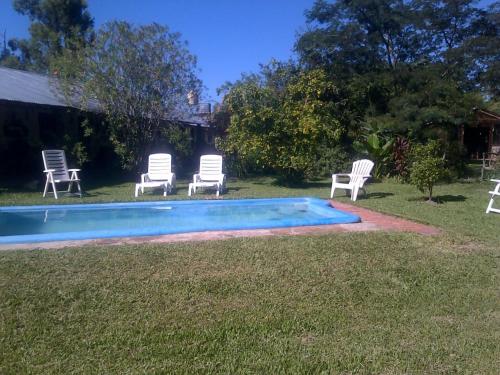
409, 66
284, 132
427, 167
139, 77
56, 25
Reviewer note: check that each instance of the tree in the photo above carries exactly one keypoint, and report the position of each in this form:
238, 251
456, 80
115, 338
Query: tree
427, 167
413, 68
139, 77
284, 132
56, 25
7, 58
358, 36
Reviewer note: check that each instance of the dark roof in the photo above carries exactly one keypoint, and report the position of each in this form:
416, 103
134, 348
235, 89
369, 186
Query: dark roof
28, 87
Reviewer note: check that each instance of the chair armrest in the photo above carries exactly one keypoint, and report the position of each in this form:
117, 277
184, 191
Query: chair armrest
49, 170
144, 178
336, 176
495, 180
74, 170
196, 177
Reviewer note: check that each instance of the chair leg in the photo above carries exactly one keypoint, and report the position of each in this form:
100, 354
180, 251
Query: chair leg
490, 205
79, 188
54, 188
354, 193
333, 191
46, 187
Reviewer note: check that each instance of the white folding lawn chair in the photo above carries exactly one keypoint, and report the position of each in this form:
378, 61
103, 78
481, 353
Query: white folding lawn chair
56, 171
159, 174
494, 193
210, 175
355, 180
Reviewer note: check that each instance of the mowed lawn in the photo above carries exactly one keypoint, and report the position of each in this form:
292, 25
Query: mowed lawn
342, 303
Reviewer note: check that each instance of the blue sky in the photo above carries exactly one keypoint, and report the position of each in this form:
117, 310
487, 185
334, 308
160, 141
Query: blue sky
228, 36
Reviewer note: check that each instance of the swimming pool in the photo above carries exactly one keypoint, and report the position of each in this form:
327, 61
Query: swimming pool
24, 224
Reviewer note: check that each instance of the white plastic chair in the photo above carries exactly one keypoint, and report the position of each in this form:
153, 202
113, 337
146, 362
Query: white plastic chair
210, 175
355, 180
494, 193
159, 174
56, 171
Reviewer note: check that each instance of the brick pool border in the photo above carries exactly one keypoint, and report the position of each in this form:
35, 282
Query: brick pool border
370, 221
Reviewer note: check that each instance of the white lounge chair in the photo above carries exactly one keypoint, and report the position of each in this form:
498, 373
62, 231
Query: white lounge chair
56, 171
159, 174
210, 175
355, 180
494, 193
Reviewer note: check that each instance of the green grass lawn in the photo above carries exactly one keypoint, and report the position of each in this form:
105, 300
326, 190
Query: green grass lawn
342, 303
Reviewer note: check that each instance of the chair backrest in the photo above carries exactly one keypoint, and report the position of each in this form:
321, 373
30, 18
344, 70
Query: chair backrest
490, 160
210, 167
56, 159
361, 168
159, 166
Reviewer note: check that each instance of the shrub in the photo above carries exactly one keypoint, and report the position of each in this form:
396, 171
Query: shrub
401, 159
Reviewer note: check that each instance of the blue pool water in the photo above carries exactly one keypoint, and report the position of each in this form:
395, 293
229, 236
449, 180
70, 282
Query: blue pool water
85, 221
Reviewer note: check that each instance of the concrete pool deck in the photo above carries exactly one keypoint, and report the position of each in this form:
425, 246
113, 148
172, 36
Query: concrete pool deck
370, 221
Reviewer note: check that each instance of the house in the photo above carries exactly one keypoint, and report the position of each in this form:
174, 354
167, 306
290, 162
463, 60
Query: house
483, 135
35, 116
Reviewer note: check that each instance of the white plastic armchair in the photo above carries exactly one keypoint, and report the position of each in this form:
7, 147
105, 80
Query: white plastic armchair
210, 175
493, 194
355, 180
159, 174
56, 171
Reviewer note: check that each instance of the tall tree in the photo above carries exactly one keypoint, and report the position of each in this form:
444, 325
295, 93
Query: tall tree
56, 25
356, 36
140, 78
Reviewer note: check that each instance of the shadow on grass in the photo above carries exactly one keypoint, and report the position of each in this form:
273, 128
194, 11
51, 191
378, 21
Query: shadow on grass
94, 194
297, 185
439, 199
376, 195
236, 188
450, 198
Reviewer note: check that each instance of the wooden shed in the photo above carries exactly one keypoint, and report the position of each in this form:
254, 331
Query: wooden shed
483, 135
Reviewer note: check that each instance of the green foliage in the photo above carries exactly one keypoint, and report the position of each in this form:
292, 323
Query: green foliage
427, 167
330, 160
139, 77
56, 26
415, 69
400, 158
379, 150
285, 132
